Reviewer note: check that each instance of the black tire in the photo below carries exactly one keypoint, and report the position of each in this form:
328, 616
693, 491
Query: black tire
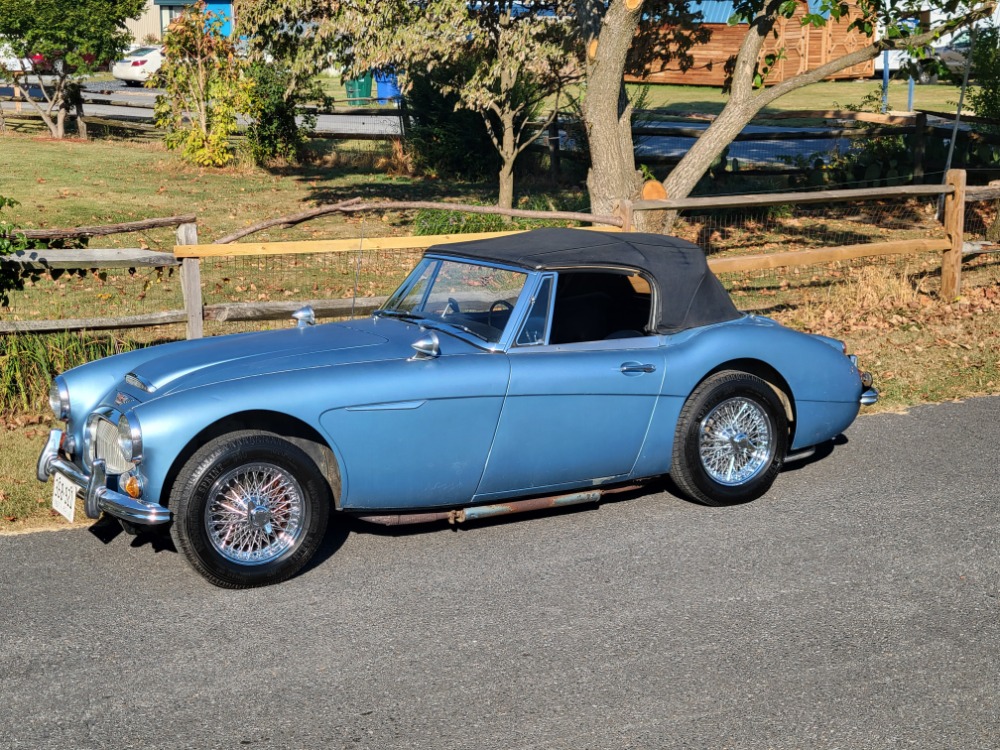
722, 403
277, 488
927, 77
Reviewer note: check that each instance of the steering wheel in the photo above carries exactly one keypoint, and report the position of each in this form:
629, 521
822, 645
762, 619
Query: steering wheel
452, 305
500, 304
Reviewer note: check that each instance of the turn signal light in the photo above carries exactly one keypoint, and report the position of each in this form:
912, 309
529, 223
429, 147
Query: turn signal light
133, 487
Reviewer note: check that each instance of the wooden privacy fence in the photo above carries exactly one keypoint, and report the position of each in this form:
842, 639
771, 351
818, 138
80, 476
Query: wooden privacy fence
188, 254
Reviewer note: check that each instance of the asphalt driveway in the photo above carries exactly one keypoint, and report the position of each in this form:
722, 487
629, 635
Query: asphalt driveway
855, 606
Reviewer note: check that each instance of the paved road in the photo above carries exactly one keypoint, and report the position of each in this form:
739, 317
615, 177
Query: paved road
855, 606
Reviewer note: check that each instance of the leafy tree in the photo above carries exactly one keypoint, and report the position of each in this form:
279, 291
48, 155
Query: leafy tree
66, 41
205, 88
748, 97
614, 25
607, 38
521, 56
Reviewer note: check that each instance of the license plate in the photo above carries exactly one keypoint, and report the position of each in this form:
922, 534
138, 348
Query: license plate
64, 496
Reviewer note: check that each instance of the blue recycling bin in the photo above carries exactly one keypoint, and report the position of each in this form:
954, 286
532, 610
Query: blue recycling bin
387, 87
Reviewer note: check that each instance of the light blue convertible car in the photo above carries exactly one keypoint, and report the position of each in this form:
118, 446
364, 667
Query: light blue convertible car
523, 372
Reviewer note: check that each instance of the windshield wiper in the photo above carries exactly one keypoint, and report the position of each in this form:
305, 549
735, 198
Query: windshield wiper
437, 325
444, 325
398, 314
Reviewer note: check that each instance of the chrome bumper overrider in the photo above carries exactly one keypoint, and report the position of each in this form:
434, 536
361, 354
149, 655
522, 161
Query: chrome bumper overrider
96, 495
869, 397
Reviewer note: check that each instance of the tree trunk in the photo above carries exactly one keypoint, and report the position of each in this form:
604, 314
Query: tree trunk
506, 199
733, 118
60, 129
607, 113
508, 154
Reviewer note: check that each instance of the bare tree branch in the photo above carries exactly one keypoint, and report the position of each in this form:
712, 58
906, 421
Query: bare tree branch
354, 205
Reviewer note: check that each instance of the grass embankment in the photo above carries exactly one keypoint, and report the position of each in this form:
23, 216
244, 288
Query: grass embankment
941, 97
919, 349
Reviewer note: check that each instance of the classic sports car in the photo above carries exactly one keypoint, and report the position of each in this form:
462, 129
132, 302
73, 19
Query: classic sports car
528, 371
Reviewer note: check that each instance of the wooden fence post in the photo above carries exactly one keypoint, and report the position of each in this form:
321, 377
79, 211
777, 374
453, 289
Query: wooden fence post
187, 234
954, 227
918, 145
17, 93
624, 211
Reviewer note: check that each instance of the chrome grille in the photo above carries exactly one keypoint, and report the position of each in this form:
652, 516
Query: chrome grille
106, 447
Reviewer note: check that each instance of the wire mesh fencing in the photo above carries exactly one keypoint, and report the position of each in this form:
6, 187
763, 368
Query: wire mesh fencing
239, 286
107, 293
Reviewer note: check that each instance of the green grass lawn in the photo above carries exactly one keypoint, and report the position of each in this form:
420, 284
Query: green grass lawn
72, 183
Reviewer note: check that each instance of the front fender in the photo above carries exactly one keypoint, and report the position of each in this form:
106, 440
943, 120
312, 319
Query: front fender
169, 423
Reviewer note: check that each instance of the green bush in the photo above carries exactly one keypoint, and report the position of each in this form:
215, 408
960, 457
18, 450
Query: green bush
444, 141
276, 100
459, 222
984, 99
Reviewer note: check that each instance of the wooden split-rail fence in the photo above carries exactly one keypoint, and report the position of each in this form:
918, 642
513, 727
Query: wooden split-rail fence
189, 252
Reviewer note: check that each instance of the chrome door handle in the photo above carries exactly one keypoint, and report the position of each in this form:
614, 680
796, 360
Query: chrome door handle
636, 367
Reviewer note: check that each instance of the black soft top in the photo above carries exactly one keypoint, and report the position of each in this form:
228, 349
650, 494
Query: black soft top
688, 293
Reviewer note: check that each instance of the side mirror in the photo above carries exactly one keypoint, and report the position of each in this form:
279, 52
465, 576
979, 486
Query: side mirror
426, 347
305, 316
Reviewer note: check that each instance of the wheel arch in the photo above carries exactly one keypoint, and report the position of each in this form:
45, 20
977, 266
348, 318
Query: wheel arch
285, 426
769, 375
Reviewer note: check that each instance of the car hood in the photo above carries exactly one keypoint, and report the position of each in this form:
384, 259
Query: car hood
189, 364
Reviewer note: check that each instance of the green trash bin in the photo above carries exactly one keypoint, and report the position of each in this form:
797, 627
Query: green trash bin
359, 90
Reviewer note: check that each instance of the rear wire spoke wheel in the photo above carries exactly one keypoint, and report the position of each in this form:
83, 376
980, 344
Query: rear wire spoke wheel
250, 509
731, 439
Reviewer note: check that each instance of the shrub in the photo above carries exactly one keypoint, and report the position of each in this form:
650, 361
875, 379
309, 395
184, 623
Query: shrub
275, 102
445, 141
203, 78
984, 99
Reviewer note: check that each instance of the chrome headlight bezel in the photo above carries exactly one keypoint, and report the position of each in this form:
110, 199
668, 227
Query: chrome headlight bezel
130, 436
59, 398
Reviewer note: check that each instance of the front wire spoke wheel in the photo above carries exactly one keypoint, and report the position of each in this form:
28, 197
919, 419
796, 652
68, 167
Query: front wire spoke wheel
254, 513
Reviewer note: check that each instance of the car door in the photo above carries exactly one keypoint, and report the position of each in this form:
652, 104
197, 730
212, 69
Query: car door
574, 412
419, 432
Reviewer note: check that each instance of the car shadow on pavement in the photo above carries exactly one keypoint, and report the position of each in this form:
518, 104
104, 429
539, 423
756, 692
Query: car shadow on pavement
823, 450
107, 529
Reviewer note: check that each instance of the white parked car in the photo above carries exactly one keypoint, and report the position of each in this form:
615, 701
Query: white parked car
138, 65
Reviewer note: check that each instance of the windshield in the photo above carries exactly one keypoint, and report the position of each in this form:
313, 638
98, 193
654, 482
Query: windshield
469, 297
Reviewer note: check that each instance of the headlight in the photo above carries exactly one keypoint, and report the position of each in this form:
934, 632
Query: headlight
59, 398
130, 437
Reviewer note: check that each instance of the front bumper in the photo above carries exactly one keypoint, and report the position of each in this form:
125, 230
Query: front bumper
97, 496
